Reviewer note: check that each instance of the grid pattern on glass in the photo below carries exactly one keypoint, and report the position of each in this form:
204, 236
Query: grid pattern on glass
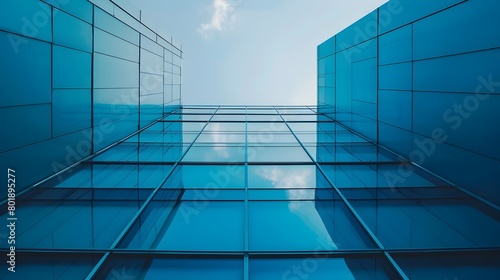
253, 193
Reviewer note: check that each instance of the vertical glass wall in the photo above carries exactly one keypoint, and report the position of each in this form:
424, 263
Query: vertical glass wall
77, 76
252, 193
421, 78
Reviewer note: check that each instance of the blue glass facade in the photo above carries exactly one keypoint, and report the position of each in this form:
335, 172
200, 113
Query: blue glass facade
251, 193
77, 77
353, 188
421, 78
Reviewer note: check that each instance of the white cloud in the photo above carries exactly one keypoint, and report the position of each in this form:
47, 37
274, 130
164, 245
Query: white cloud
222, 14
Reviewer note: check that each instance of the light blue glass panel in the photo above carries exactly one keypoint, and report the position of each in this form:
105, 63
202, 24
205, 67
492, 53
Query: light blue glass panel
304, 226
71, 68
364, 51
30, 18
362, 30
410, 220
458, 30
189, 226
114, 26
49, 224
113, 104
379, 176
15, 71
396, 139
326, 48
72, 32
471, 72
111, 72
107, 132
216, 153
51, 266
172, 268
131, 152
25, 125
455, 118
351, 152
114, 46
79, 8
208, 177
366, 109
225, 137
364, 80
71, 111
365, 126
150, 108
395, 108
151, 84
151, 46
64, 151
128, 176
396, 46
151, 63
460, 164
322, 268
398, 13
260, 153
396, 76
463, 265
285, 177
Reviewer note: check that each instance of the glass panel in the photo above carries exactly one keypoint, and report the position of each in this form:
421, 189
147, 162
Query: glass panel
23, 127
14, 70
227, 137
71, 68
319, 267
111, 45
285, 177
418, 218
72, 32
114, 26
151, 63
215, 153
123, 72
351, 153
381, 176
71, 111
207, 177
51, 266
198, 225
240, 118
140, 268
18, 17
264, 118
278, 126
224, 127
304, 226
454, 265
76, 223
277, 154
144, 153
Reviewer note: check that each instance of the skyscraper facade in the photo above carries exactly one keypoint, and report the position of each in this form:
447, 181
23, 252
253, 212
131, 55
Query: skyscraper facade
78, 76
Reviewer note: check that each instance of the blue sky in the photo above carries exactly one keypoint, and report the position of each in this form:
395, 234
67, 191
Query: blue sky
250, 51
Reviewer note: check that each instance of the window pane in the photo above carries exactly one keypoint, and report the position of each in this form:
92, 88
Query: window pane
320, 268
137, 268
304, 226
198, 225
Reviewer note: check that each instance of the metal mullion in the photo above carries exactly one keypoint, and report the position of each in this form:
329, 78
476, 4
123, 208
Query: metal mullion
351, 209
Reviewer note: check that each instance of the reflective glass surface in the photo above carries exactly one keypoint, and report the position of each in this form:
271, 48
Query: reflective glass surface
189, 197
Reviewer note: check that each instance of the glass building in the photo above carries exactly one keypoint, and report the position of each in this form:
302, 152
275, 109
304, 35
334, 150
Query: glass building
172, 191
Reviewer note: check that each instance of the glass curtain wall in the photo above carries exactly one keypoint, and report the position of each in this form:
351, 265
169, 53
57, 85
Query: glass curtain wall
251, 193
